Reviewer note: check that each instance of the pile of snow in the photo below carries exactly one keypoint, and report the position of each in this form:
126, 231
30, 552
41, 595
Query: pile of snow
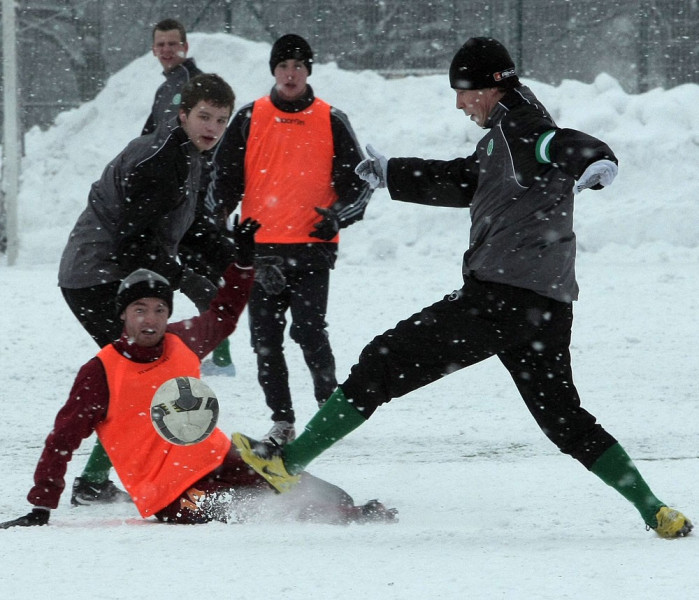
652, 200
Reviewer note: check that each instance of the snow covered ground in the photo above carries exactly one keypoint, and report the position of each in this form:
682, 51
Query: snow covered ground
488, 508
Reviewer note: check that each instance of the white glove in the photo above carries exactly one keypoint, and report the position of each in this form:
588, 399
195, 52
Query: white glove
600, 172
373, 170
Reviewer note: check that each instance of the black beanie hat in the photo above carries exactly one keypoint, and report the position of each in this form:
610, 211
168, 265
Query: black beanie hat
143, 283
291, 46
482, 63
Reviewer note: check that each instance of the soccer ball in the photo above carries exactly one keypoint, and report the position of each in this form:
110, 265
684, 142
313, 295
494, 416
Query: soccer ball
184, 411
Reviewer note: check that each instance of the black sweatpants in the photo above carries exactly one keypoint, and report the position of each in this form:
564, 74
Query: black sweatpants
95, 308
306, 298
529, 333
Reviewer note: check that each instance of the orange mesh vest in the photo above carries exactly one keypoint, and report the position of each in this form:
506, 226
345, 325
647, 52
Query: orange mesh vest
288, 171
153, 471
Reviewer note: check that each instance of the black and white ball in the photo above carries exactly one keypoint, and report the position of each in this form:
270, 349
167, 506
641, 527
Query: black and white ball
184, 410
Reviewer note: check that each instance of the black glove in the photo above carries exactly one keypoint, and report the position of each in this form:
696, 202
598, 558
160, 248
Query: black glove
244, 241
328, 226
269, 275
197, 288
38, 516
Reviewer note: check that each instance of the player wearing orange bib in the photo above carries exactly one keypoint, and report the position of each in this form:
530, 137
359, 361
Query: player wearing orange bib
112, 395
288, 161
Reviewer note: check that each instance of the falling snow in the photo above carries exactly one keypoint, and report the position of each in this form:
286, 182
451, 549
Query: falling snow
488, 508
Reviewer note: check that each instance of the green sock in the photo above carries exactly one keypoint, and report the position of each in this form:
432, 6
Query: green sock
222, 354
98, 465
333, 421
616, 469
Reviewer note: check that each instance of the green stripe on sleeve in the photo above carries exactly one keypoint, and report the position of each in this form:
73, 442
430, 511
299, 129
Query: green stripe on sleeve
542, 146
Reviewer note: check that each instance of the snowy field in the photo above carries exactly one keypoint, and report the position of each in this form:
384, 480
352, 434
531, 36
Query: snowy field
488, 508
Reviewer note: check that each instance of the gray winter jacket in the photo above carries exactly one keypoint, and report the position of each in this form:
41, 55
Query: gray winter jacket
519, 187
167, 97
138, 212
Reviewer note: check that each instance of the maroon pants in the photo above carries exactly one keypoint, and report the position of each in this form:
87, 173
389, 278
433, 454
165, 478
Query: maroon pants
233, 492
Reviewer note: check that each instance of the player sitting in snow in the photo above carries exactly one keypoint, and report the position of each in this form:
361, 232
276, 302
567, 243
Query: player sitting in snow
112, 395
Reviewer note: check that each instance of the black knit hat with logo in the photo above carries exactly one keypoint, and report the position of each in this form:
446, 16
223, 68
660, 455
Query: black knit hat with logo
143, 283
291, 46
482, 63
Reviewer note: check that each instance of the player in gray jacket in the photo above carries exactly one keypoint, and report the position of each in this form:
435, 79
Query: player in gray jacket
519, 282
170, 47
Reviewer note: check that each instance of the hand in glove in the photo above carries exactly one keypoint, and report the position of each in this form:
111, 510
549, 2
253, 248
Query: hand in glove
269, 275
599, 174
374, 169
244, 241
38, 516
328, 226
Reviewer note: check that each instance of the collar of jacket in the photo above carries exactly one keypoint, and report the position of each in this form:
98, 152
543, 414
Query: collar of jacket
177, 131
297, 105
188, 64
512, 98
136, 353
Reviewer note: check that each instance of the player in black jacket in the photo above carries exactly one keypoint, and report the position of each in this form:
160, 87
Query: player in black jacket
519, 282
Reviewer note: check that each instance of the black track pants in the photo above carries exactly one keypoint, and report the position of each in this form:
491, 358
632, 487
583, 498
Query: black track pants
529, 333
306, 298
95, 308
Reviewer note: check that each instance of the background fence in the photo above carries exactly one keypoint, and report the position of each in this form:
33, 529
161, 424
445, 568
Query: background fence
69, 48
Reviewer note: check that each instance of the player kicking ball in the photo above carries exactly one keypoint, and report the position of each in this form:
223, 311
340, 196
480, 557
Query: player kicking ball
516, 303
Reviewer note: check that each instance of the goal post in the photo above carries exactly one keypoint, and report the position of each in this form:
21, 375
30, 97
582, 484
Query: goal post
11, 149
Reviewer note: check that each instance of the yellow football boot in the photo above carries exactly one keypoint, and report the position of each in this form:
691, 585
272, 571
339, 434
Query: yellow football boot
672, 523
266, 460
